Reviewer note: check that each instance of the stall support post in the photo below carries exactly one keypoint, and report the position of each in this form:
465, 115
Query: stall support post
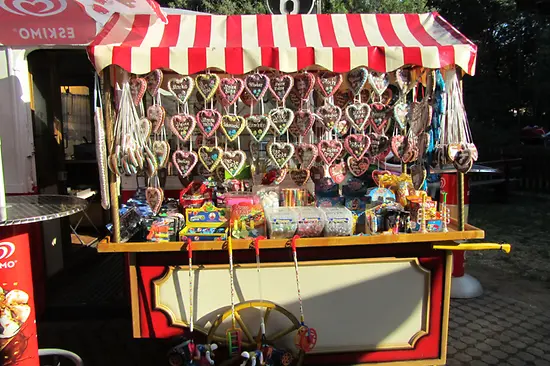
109, 128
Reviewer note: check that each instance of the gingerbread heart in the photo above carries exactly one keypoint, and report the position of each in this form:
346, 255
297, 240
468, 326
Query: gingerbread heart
338, 172
330, 115
281, 118
280, 86
417, 117
379, 81
138, 86
303, 84
207, 84
230, 90
181, 88
379, 117
403, 79
398, 145
232, 126
378, 144
418, 176
341, 99
303, 121
247, 98
156, 114
208, 121
161, 149
329, 150
182, 125
357, 145
256, 85
357, 78
400, 113
280, 153
342, 127
184, 161
377, 174
328, 83
358, 167
300, 176
257, 126
254, 148
144, 129
154, 81
473, 149
210, 157
154, 197
306, 155
233, 161
358, 114
274, 175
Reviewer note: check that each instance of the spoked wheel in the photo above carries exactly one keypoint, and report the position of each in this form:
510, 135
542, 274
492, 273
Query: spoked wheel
248, 312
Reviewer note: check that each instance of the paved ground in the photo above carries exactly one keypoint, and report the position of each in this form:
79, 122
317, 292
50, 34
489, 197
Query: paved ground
508, 325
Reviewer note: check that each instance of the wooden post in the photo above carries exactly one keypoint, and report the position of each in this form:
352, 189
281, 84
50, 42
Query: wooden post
109, 134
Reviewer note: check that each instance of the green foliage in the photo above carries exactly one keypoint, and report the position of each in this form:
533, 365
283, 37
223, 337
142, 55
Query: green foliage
375, 6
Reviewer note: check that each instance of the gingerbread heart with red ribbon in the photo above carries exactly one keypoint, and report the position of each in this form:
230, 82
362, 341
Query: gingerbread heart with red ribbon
357, 78
208, 121
156, 114
329, 150
182, 125
281, 118
233, 161
379, 117
184, 162
280, 86
207, 84
338, 172
379, 81
154, 197
377, 174
358, 115
357, 145
154, 81
258, 126
398, 146
378, 144
230, 90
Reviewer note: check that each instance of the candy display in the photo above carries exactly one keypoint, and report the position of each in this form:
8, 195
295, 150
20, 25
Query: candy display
339, 221
311, 222
282, 222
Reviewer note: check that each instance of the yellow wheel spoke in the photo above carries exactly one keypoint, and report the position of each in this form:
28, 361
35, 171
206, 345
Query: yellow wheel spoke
282, 333
244, 328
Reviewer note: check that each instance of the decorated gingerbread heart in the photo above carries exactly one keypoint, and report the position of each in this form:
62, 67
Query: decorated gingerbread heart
403, 79
156, 114
303, 121
342, 127
254, 148
161, 149
233, 161
207, 84
330, 115
210, 157
280, 153
258, 126
181, 88
154, 81
281, 118
208, 121
303, 84
329, 150
328, 83
256, 85
280, 86
379, 117
358, 114
377, 174
184, 162
230, 90
357, 78
379, 81
338, 172
341, 99
306, 155
358, 167
357, 145
138, 86
154, 197
182, 125
144, 129
300, 176
232, 126
398, 145
378, 144
400, 113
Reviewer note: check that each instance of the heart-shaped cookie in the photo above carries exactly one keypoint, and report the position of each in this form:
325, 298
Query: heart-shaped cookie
154, 197
207, 84
341, 99
233, 161
342, 127
377, 174
300, 176
156, 114
400, 113
182, 125
208, 121
358, 167
257, 126
230, 90
379, 81
403, 79
418, 175
280, 86
357, 145
210, 157
378, 144
328, 83
161, 149
473, 150
256, 85
184, 162
329, 150
144, 129
274, 176
138, 86
420, 117
303, 121
306, 155
398, 145
379, 117
357, 78
358, 115
338, 172
281, 118
303, 84
181, 88
280, 153
154, 81
232, 126
330, 115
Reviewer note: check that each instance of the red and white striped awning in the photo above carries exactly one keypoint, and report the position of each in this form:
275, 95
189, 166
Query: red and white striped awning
238, 44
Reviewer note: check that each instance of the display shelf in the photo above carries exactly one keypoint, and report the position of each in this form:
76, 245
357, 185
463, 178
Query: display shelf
470, 232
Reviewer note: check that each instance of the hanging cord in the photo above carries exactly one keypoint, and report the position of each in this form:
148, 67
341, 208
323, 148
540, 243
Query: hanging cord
295, 258
231, 281
191, 278
101, 146
257, 248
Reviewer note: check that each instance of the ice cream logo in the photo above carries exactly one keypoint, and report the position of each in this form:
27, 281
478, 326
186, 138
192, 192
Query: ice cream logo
37, 8
7, 250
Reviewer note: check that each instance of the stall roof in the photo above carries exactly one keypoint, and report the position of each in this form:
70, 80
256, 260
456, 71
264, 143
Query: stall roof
238, 44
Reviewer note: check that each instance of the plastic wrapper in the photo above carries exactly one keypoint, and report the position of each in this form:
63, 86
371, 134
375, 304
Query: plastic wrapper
282, 222
339, 221
311, 222
269, 197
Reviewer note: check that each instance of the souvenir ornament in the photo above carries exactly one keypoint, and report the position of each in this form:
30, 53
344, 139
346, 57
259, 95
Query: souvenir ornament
280, 86
300, 176
182, 125
379, 82
328, 83
184, 161
377, 174
161, 149
154, 81
329, 150
398, 145
144, 129
208, 121
341, 99
258, 126
303, 84
256, 85
281, 118
306, 155
357, 79
358, 167
378, 144
342, 127
303, 121
337, 172
138, 86
358, 114
247, 98
154, 197
233, 161
280, 153
210, 157
156, 114
416, 120
379, 117
357, 145
207, 84
230, 90
461, 157
400, 113
330, 115
181, 88
232, 126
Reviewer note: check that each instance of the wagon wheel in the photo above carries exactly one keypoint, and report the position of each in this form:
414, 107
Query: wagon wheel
251, 339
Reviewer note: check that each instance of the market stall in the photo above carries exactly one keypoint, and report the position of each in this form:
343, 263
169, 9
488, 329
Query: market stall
287, 240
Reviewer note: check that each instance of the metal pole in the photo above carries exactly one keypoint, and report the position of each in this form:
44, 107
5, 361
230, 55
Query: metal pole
460, 188
319, 6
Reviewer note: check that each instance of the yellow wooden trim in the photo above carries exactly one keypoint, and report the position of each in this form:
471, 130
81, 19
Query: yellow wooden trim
134, 295
506, 248
446, 306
